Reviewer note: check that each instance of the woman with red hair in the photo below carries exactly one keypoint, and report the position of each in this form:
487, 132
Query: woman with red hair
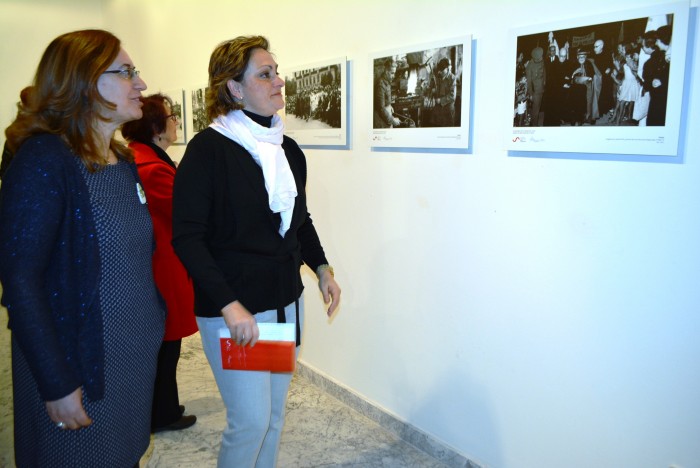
149, 138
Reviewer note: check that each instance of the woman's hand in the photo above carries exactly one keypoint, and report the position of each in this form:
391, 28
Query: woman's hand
68, 412
330, 290
241, 324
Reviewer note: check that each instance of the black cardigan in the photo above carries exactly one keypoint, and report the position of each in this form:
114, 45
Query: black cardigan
226, 235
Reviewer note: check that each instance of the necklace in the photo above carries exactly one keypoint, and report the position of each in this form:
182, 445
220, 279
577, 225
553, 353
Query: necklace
111, 158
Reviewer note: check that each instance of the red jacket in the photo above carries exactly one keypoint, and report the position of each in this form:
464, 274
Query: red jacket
171, 278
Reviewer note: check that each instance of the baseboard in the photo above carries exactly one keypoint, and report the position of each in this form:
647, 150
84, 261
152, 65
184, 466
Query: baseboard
391, 423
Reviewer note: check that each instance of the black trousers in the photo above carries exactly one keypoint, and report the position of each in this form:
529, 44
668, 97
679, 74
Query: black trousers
166, 403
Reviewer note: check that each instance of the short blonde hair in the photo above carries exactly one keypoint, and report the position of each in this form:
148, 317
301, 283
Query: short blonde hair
229, 61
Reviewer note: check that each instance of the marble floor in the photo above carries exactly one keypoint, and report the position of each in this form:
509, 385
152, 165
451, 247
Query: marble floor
320, 431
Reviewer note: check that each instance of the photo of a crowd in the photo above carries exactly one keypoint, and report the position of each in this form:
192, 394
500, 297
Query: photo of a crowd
178, 109
313, 98
199, 110
419, 89
610, 74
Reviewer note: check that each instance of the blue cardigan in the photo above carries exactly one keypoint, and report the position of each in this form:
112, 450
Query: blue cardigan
50, 268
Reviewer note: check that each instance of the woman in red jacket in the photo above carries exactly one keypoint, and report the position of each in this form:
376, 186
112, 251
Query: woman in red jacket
149, 137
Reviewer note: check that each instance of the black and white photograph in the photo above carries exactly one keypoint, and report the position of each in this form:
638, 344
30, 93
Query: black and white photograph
198, 111
178, 109
618, 81
315, 103
420, 95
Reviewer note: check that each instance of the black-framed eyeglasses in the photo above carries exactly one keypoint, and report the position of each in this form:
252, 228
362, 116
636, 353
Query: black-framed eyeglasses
126, 73
173, 117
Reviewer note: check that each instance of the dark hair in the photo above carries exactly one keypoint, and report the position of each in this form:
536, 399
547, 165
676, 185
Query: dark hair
229, 61
64, 99
664, 34
443, 63
649, 39
153, 121
631, 48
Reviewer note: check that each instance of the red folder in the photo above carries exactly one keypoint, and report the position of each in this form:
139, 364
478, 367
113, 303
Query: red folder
274, 351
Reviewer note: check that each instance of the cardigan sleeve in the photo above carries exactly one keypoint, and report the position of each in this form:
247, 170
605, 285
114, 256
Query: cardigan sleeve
311, 250
32, 206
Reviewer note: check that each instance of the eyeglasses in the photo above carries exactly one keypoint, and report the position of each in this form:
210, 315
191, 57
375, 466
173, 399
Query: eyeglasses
126, 73
173, 117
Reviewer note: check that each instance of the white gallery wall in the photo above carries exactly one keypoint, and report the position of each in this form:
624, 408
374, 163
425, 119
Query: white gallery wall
26, 28
528, 312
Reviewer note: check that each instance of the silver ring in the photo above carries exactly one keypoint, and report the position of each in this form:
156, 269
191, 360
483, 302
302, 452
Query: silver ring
61, 425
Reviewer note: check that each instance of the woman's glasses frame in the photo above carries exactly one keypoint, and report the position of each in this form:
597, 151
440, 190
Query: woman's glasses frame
129, 73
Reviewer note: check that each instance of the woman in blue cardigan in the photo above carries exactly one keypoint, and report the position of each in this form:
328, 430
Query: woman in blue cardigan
85, 317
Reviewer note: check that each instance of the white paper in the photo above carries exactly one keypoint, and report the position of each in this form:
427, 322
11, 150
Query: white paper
269, 332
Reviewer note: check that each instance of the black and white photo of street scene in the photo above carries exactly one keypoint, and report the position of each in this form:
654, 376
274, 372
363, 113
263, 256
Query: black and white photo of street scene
178, 109
607, 74
313, 98
419, 89
199, 110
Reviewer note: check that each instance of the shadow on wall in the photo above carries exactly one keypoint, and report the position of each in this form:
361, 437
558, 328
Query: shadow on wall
473, 427
444, 397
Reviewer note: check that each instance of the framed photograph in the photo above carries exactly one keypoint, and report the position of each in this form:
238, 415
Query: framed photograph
420, 95
178, 97
605, 84
315, 103
197, 120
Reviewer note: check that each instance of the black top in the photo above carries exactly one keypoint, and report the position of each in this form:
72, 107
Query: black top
259, 119
226, 235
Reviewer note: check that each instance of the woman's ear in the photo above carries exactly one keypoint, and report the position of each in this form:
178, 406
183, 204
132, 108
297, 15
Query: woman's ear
234, 88
156, 133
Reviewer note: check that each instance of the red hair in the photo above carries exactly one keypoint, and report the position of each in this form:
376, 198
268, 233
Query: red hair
64, 99
153, 121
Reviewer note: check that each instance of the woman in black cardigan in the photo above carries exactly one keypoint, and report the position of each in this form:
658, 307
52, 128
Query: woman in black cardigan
242, 230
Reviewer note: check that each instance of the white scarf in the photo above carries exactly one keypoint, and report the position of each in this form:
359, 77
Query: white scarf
265, 145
